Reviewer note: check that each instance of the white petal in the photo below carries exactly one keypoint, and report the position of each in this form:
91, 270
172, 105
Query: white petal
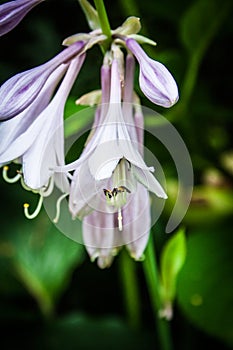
104, 160
81, 191
149, 181
137, 222
43, 155
40, 158
100, 236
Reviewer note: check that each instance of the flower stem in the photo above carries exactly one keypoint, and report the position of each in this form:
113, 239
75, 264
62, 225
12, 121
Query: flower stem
130, 290
153, 284
104, 22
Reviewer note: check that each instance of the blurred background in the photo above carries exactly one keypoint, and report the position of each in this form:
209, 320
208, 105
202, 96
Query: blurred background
51, 295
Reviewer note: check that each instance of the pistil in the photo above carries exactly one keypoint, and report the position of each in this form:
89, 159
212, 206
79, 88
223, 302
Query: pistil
119, 217
58, 207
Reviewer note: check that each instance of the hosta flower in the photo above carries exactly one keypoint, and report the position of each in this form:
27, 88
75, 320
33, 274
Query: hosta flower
109, 145
110, 182
38, 142
155, 80
17, 93
109, 172
11, 13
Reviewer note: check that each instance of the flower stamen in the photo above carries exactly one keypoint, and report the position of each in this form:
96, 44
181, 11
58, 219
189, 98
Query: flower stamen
58, 207
7, 178
36, 211
25, 187
47, 190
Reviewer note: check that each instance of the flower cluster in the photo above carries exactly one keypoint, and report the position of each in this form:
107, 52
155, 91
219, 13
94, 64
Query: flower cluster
108, 184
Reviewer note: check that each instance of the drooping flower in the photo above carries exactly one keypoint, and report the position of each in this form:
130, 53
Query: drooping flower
110, 185
109, 145
110, 170
12, 12
39, 143
155, 80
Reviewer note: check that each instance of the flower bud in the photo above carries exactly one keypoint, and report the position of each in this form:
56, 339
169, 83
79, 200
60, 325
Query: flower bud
155, 80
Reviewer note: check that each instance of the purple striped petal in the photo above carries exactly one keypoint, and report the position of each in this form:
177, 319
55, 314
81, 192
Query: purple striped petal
20, 91
149, 181
155, 80
47, 149
40, 144
11, 129
11, 13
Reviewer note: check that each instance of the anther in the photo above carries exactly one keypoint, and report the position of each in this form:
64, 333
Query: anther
37, 210
7, 178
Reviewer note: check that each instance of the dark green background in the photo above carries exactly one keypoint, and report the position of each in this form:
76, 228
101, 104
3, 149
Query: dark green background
51, 295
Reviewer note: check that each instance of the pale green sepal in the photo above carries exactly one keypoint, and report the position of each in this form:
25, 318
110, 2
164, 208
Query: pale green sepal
90, 38
76, 37
90, 13
142, 39
172, 259
131, 25
95, 40
90, 99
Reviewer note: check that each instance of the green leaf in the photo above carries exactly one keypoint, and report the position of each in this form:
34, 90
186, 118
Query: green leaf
205, 284
44, 260
198, 27
172, 260
71, 107
209, 201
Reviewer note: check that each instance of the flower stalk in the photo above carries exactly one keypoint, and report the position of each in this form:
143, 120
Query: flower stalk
153, 285
130, 289
104, 22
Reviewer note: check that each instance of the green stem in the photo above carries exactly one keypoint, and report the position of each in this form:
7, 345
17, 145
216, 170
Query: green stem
153, 284
104, 22
130, 289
